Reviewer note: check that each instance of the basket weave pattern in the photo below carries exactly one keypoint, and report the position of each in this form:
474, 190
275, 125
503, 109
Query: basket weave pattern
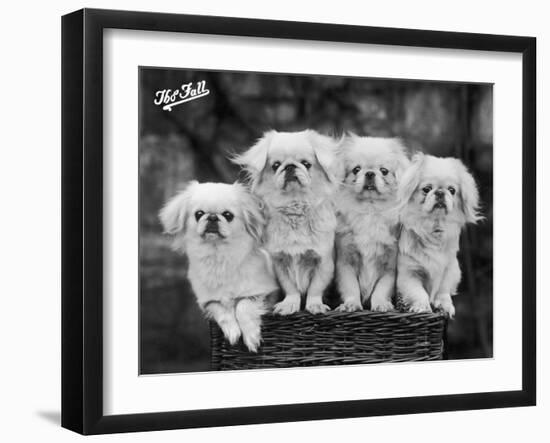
336, 338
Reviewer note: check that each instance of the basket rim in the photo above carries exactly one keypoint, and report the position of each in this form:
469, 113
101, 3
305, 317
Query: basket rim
362, 313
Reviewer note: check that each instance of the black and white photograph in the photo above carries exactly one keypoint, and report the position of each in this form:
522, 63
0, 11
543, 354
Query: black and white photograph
292, 220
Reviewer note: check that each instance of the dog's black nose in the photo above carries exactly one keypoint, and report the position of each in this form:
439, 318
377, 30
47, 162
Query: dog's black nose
212, 218
439, 193
370, 175
290, 167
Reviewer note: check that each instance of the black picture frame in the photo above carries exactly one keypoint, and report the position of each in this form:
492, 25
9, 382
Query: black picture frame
82, 220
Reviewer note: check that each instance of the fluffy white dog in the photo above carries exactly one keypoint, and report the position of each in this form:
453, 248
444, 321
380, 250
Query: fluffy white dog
295, 175
366, 242
219, 226
439, 196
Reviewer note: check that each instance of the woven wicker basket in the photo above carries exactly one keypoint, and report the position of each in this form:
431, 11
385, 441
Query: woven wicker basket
335, 338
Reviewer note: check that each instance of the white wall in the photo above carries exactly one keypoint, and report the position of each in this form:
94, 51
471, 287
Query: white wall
30, 217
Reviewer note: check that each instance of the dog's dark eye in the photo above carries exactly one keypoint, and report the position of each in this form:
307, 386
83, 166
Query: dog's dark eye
384, 171
356, 170
275, 166
306, 164
426, 189
452, 190
198, 215
228, 216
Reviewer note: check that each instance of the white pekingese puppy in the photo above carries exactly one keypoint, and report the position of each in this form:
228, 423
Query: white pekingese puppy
295, 175
219, 226
438, 196
366, 241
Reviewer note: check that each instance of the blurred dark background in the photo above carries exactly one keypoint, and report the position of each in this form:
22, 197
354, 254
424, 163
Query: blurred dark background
193, 141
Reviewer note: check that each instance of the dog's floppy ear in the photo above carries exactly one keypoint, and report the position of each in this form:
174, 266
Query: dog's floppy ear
254, 159
174, 213
469, 195
410, 180
342, 151
251, 205
326, 149
403, 163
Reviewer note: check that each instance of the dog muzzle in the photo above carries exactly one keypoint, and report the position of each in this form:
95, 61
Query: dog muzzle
439, 202
370, 182
290, 174
212, 226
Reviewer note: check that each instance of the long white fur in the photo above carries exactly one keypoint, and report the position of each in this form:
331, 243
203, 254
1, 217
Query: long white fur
366, 242
428, 269
301, 217
230, 273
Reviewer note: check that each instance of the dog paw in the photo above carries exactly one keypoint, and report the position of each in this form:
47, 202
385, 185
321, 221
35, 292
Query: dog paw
383, 306
420, 307
286, 307
252, 340
231, 331
349, 306
446, 306
317, 308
